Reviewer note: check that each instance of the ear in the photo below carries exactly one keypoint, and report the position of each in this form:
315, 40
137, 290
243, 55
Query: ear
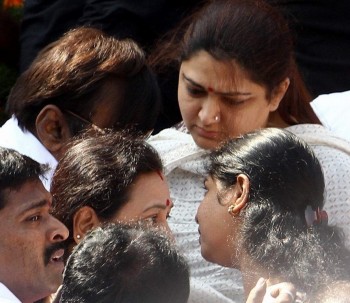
52, 129
240, 195
278, 94
84, 220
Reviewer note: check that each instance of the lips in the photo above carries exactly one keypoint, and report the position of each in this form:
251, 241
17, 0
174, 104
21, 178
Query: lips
57, 256
54, 253
209, 134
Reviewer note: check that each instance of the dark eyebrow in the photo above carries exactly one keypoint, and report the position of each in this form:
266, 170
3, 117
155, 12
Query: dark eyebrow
224, 94
36, 204
192, 82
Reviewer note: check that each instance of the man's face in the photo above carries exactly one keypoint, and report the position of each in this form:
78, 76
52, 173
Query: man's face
30, 243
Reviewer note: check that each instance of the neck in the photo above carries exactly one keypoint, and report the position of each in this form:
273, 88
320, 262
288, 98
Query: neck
251, 272
275, 120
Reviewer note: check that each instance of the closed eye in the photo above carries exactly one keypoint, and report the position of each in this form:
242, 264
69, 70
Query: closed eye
195, 92
233, 101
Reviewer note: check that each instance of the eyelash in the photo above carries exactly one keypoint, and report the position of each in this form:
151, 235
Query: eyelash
194, 91
34, 218
233, 102
198, 93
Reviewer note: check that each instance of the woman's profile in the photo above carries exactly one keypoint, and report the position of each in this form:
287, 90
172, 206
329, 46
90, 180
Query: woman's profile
263, 213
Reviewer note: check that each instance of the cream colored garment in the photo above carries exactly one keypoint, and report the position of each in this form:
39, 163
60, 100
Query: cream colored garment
11, 136
183, 161
334, 112
334, 155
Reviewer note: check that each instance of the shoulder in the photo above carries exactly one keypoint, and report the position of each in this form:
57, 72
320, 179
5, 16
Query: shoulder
176, 148
317, 135
331, 109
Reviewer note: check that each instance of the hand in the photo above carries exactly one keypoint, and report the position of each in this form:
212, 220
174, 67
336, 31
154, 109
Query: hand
279, 293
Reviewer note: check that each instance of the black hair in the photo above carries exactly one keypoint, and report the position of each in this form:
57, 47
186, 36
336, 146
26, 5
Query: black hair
285, 179
125, 264
17, 169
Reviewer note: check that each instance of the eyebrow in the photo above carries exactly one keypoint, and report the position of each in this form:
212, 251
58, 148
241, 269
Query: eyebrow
36, 204
225, 94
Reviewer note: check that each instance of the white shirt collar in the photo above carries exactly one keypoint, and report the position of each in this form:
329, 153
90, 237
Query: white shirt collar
12, 136
6, 296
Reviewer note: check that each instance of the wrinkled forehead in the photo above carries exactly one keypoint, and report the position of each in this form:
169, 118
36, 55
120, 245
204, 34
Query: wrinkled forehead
219, 75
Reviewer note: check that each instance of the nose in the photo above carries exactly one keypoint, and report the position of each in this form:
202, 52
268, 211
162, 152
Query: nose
58, 231
209, 112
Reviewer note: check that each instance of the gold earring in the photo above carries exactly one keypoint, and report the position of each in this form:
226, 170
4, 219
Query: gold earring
231, 210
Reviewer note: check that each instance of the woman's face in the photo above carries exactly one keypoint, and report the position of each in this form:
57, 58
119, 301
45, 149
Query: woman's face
218, 100
149, 200
217, 228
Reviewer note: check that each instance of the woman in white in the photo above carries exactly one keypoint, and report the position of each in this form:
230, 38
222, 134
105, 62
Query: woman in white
237, 74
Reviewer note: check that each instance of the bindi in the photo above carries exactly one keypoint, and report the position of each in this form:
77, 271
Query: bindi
210, 89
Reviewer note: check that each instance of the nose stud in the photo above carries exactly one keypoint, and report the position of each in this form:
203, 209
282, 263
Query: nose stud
217, 118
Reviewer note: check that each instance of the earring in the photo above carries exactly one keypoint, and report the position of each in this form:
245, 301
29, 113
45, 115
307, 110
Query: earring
78, 236
231, 210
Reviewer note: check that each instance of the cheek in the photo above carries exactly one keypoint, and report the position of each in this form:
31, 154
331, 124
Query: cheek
185, 109
216, 244
188, 106
181, 96
213, 228
244, 121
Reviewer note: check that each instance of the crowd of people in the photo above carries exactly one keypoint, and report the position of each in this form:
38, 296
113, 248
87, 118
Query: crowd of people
242, 194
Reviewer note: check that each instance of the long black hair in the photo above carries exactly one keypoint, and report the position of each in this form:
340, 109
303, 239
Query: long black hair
286, 184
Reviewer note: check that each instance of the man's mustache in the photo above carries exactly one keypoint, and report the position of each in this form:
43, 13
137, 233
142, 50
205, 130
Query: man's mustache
51, 249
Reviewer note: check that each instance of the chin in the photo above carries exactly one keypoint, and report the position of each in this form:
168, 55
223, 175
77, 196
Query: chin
209, 256
219, 260
205, 143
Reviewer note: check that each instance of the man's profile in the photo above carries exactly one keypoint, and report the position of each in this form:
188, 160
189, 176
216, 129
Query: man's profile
31, 239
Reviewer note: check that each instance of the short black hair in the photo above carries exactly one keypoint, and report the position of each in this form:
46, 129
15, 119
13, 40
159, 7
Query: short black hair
125, 264
17, 169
